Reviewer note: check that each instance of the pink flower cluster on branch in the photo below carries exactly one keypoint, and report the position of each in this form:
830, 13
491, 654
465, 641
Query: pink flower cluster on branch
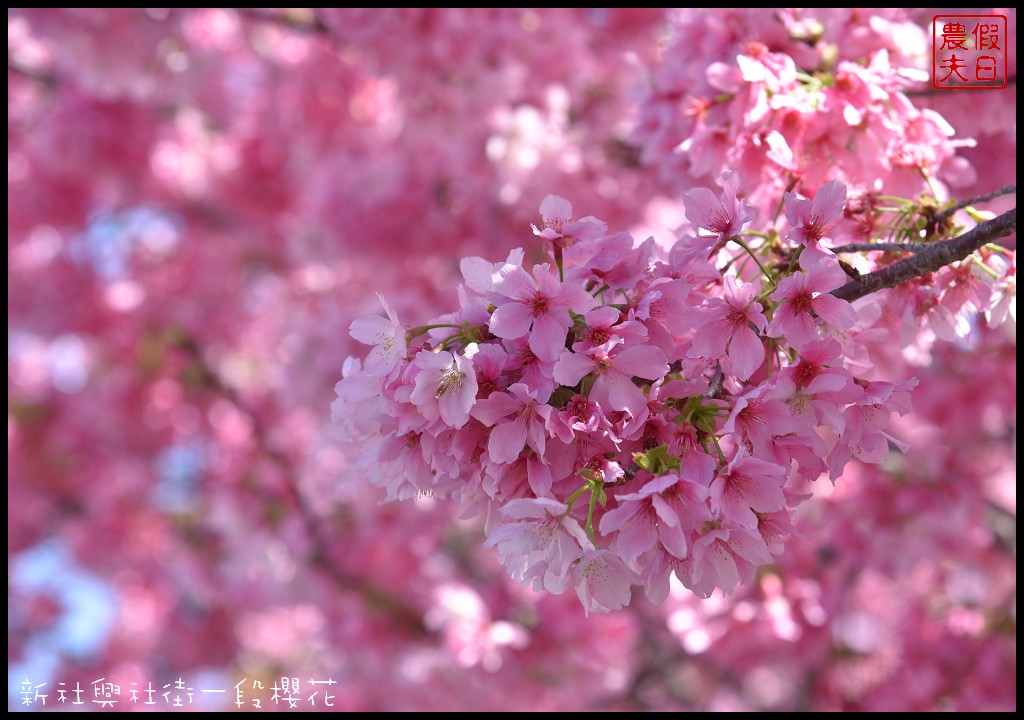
635, 413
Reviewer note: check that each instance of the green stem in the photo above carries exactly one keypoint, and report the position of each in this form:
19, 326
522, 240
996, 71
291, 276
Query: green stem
991, 273
721, 455
590, 518
574, 497
736, 239
417, 331
796, 256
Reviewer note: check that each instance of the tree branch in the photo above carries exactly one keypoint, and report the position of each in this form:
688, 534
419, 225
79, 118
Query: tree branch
376, 598
948, 212
930, 258
880, 247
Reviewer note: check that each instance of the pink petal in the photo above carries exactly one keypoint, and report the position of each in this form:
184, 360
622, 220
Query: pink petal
512, 281
837, 313
572, 297
750, 548
789, 287
536, 435
826, 382
507, 441
571, 367
602, 317
618, 392
829, 202
453, 409
511, 320
555, 209
494, 407
764, 495
703, 209
637, 536
547, 339
371, 330
616, 518
746, 353
539, 476
719, 567
673, 539
798, 328
826, 277
476, 272
798, 209
645, 361
710, 340
523, 508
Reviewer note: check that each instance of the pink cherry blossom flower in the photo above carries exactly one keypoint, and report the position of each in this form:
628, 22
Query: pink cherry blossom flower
581, 416
1004, 293
755, 420
386, 335
540, 544
802, 294
723, 557
446, 386
611, 261
525, 367
864, 435
813, 391
726, 327
613, 387
812, 220
758, 65
667, 510
725, 215
693, 461
558, 225
745, 486
602, 581
510, 435
665, 308
538, 306
603, 327
490, 362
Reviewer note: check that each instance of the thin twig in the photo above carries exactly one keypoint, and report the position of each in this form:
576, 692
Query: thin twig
931, 257
715, 386
376, 597
941, 216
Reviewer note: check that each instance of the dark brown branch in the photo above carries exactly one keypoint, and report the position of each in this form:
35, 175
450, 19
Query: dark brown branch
715, 386
941, 216
879, 247
931, 257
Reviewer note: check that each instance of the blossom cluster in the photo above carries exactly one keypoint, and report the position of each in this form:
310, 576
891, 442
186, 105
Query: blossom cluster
621, 413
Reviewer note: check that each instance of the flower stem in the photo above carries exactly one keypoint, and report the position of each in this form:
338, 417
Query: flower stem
574, 497
736, 239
